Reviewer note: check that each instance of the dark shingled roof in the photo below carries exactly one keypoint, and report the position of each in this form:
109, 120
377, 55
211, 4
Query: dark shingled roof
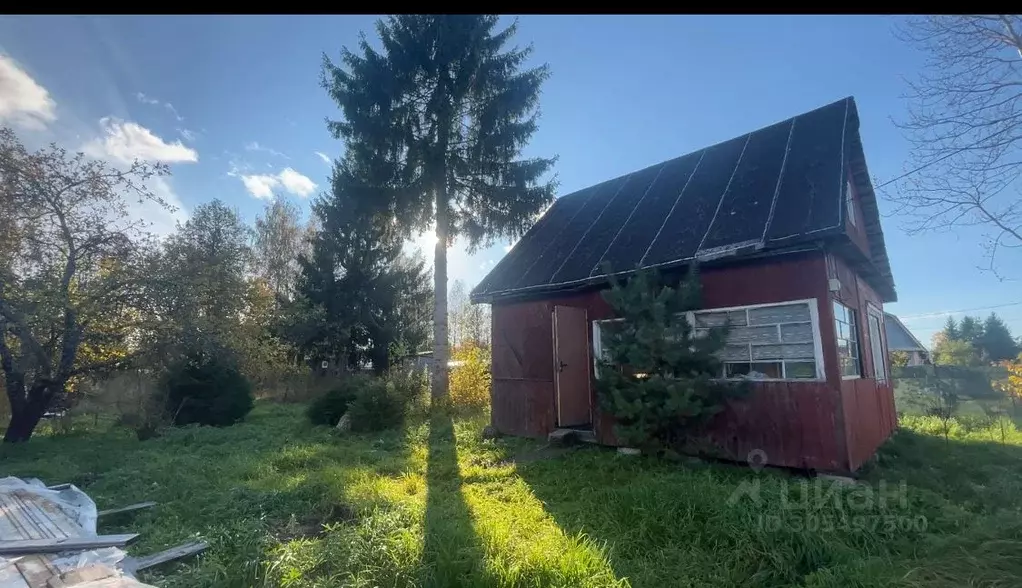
766, 192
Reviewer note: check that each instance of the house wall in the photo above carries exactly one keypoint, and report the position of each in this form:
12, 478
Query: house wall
868, 405
796, 424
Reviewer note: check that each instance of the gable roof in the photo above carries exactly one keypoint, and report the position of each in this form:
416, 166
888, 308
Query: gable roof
899, 338
766, 192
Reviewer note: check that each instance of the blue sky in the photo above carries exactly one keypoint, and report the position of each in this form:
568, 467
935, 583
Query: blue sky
234, 105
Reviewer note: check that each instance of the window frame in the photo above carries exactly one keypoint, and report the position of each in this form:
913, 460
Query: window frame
872, 311
849, 204
814, 321
854, 329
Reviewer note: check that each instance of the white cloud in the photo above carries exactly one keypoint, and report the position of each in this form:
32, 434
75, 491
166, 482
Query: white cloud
261, 186
324, 157
154, 102
23, 102
255, 146
126, 141
187, 134
296, 183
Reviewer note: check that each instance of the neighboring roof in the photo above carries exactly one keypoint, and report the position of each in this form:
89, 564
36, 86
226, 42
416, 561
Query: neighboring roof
763, 192
899, 338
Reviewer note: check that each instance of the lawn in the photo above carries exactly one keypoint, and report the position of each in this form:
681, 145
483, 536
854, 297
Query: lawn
284, 503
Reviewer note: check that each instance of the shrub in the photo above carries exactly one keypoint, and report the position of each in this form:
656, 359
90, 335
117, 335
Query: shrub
374, 403
207, 388
470, 378
328, 408
378, 406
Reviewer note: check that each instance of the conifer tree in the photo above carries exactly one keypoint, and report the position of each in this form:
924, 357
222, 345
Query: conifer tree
659, 375
359, 289
442, 113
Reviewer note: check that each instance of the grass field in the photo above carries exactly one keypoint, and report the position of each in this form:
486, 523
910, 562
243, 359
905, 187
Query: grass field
287, 504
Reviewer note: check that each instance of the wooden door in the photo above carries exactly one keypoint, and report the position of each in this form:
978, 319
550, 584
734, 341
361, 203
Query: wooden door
571, 366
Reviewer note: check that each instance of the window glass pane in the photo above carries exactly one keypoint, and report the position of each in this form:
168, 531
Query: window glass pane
876, 345
785, 313
839, 312
765, 334
797, 333
735, 352
800, 369
842, 330
790, 351
737, 318
710, 319
758, 370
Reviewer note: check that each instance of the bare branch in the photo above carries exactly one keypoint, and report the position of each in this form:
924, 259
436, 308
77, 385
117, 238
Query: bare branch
965, 127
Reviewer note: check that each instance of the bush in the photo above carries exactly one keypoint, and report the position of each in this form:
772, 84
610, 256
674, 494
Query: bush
207, 388
377, 406
328, 408
374, 403
470, 378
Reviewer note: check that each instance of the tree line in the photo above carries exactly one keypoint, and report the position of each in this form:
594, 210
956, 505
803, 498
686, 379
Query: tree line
974, 342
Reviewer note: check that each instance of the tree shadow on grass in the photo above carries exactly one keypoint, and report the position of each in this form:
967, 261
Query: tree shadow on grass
452, 554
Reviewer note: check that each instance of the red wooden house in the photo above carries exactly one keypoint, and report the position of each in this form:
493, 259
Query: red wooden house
784, 224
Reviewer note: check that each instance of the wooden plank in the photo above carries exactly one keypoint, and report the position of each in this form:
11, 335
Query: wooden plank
89, 573
64, 544
129, 508
36, 570
177, 552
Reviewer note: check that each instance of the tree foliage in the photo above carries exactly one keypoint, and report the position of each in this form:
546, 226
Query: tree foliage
441, 114
974, 342
279, 240
206, 387
965, 128
360, 295
72, 266
658, 377
470, 377
996, 340
469, 323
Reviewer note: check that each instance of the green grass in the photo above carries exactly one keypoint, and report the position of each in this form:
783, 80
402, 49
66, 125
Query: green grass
287, 504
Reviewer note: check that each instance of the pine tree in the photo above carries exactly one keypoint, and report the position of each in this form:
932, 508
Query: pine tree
360, 291
658, 376
996, 342
442, 114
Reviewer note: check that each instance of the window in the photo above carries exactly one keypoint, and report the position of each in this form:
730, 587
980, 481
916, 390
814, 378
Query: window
849, 205
847, 341
772, 342
767, 342
876, 345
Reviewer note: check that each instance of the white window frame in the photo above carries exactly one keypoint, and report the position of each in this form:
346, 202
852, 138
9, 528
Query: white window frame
857, 330
814, 318
877, 351
849, 205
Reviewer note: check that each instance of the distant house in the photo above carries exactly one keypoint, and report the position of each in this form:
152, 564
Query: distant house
899, 338
784, 222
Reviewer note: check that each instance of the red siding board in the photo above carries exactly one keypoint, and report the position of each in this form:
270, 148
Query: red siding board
868, 405
832, 425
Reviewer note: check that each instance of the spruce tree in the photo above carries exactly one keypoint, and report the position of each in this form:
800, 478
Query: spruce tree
659, 376
361, 292
442, 114
996, 341
970, 329
951, 329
